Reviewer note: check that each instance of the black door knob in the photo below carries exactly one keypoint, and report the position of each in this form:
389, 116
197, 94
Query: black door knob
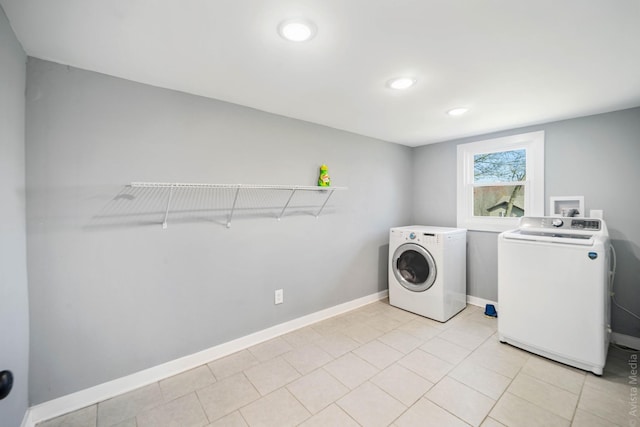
6, 383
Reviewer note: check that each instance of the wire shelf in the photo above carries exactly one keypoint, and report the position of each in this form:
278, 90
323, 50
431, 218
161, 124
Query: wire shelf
161, 201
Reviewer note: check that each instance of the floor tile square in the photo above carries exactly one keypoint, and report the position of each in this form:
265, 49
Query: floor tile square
486, 381
234, 419
375, 308
370, 406
337, 344
500, 358
477, 325
378, 354
317, 390
425, 410
610, 406
330, 416
129, 405
80, 418
478, 316
270, 349
420, 329
401, 341
186, 382
226, 396
269, 376
362, 333
329, 326
616, 387
566, 378
308, 358
279, 408
462, 401
445, 350
586, 419
354, 318
463, 337
301, 337
185, 411
351, 370
490, 422
233, 364
545, 395
514, 411
441, 326
402, 384
384, 323
398, 314
426, 365
131, 422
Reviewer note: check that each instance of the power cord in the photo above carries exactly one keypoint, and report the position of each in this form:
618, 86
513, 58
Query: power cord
612, 275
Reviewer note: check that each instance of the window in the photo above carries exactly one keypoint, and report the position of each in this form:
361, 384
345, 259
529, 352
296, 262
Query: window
500, 180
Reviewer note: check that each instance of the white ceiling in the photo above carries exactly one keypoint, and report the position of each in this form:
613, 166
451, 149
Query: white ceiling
512, 62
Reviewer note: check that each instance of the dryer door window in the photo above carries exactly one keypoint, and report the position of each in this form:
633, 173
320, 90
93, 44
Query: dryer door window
414, 267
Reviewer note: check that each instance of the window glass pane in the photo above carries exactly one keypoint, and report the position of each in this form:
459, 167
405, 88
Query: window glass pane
498, 200
504, 166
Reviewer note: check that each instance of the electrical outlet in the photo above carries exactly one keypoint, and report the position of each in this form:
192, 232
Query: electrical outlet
279, 296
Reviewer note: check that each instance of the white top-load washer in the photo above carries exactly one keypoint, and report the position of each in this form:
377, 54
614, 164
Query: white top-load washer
553, 278
427, 270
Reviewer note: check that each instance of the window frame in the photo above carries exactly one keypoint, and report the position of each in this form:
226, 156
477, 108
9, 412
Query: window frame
533, 144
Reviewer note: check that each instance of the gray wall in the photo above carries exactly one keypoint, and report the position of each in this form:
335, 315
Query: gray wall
109, 301
127, 295
596, 157
14, 315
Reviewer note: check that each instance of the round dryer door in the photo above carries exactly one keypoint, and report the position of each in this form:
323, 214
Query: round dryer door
414, 267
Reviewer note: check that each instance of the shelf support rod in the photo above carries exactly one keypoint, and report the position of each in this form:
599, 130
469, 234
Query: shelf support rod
293, 191
233, 207
325, 203
166, 213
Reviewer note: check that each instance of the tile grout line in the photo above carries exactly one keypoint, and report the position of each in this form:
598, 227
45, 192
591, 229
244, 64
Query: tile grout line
423, 396
380, 370
575, 410
502, 394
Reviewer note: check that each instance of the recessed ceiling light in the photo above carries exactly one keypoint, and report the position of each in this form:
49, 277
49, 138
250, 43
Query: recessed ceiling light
457, 111
297, 30
401, 83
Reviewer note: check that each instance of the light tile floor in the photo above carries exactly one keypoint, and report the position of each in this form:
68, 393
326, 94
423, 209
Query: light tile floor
379, 366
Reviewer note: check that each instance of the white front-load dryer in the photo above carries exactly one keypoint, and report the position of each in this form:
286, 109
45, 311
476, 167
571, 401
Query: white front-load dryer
428, 270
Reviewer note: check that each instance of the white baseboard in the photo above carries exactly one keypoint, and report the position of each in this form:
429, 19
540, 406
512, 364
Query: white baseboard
83, 398
90, 396
26, 420
626, 340
480, 302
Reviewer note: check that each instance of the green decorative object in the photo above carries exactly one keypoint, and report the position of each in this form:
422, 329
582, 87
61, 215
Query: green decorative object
324, 180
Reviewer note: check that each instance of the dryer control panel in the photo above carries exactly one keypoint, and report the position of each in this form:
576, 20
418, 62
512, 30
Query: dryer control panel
420, 237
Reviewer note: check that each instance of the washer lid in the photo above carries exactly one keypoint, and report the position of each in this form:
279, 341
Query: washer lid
414, 267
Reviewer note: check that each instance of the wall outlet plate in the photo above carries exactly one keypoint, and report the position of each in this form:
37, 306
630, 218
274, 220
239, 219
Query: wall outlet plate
279, 296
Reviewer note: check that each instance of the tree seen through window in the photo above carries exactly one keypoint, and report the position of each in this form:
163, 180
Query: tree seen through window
498, 183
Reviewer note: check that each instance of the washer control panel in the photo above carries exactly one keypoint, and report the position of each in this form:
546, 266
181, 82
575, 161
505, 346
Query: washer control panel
585, 224
562, 223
